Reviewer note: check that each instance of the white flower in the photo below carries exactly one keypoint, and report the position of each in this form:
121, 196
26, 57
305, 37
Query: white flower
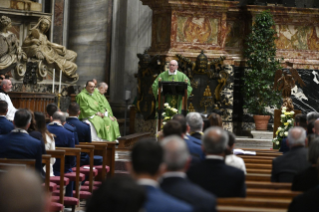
292, 112
277, 143
286, 134
282, 115
284, 108
164, 123
281, 134
166, 104
174, 110
163, 114
279, 128
289, 121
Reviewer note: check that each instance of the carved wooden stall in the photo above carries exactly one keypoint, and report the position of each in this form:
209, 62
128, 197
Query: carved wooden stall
32, 101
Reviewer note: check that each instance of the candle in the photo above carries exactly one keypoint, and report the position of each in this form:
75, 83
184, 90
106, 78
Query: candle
53, 79
60, 81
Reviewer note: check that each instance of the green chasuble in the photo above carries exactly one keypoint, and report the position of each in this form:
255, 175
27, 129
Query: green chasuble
89, 106
106, 106
172, 100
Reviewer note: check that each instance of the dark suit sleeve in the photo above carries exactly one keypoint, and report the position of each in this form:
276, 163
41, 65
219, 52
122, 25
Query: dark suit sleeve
76, 138
243, 185
71, 159
38, 158
88, 137
273, 176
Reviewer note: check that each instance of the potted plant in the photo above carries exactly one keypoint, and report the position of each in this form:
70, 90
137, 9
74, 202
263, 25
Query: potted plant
261, 66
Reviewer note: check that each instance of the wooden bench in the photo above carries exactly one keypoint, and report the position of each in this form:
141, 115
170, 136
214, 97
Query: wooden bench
258, 177
46, 160
254, 202
258, 166
247, 209
271, 194
258, 161
268, 185
256, 157
260, 150
126, 142
258, 171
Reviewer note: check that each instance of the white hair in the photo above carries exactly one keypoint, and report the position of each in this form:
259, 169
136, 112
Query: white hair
176, 152
297, 136
194, 121
174, 61
102, 84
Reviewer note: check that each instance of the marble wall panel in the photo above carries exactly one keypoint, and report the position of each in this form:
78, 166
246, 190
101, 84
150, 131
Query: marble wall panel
88, 36
59, 13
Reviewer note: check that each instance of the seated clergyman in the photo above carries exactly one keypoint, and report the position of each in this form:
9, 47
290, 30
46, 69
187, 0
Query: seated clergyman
93, 111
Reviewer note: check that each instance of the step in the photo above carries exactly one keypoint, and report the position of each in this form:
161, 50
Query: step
253, 143
262, 134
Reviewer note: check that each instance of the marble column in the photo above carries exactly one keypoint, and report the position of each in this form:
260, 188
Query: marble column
131, 34
89, 36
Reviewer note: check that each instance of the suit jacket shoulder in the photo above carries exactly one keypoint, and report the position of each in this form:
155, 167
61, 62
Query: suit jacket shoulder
185, 190
158, 201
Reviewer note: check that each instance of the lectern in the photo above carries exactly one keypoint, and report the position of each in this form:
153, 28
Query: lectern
174, 89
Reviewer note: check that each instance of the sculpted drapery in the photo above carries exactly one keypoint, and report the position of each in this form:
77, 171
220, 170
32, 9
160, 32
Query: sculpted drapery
37, 46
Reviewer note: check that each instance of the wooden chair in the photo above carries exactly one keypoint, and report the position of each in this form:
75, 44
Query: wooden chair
46, 160
247, 209
89, 149
101, 148
77, 153
59, 154
126, 142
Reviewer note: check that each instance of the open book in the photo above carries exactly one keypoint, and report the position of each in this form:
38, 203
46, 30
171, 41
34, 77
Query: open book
242, 152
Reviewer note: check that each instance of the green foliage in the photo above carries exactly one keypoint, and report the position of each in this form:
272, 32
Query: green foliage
262, 65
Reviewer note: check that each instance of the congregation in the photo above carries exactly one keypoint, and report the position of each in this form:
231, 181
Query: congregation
186, 169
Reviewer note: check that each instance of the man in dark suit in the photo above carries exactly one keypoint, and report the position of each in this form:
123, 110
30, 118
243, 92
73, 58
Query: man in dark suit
308, 178
194, 145
195, 122
307, 201
285, 167
84, 132
18, 144
63, 138
51, 109
5, 125
174, 180
213, 174
146, 167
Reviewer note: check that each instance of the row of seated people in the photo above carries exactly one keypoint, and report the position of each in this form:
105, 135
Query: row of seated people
22, 138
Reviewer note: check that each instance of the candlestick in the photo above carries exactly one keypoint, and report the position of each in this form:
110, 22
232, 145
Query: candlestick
53, 79
60, 81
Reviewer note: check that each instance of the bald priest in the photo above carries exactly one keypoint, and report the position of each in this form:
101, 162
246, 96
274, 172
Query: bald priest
172, 75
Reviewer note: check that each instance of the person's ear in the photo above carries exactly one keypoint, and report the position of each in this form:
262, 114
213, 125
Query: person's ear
188, 128
79, 112
162, 169
313, 130
51, 119
28, 125
129, 168
188, 163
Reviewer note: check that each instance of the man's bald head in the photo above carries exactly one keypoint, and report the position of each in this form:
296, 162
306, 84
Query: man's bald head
6, 85
21, 191
173, 65
316, 127
297, 136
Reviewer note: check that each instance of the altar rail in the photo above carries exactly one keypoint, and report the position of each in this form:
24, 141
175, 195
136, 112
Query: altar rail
32, 101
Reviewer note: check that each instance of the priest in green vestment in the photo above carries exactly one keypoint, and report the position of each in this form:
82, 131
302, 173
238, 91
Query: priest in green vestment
92, 110
176, 76
102, 89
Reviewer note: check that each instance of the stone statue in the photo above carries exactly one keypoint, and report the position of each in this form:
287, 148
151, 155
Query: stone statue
38, 47
12, 58
284, 82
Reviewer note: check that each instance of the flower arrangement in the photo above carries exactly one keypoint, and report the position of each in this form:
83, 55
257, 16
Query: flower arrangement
287, 121
169, 113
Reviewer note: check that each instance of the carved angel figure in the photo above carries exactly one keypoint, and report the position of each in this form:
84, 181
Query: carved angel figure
10, 51
37, 46
284, 82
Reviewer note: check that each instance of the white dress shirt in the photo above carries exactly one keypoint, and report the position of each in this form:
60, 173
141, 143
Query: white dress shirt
11, 109
235, 161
